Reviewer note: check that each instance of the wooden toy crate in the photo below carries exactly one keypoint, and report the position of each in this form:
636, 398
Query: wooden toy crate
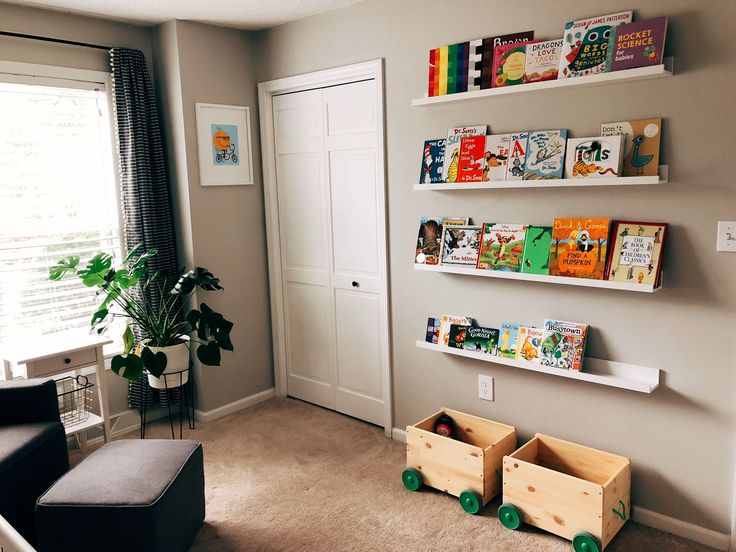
469, 463
576, 492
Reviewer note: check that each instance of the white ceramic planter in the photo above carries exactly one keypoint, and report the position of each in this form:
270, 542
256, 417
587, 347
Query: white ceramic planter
177, 359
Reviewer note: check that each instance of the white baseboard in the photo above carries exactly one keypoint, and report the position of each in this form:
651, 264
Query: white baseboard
231, 408
701, 535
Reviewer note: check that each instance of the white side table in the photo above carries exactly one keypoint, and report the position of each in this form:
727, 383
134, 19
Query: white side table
48, 357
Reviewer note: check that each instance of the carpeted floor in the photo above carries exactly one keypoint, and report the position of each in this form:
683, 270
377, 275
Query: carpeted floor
286, 475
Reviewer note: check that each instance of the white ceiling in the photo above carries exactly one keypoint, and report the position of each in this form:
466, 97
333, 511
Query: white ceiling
241, 14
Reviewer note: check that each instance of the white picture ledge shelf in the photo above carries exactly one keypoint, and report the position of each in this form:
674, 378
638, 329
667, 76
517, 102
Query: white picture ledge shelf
564, 280
603, 372
628, 75
551, 183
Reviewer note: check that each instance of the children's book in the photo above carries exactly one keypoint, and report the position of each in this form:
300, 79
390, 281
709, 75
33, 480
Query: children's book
536, 250
585, 47
594, 157
509, 63
636, 252
530, 343
475, 64
448, 320
481, 340
563, 345
433, 88
579, 247
501, 247
489, 47
517, 156
637, 44
495, 159
545, 156
508, 340
457, 336
460, 245
542, 60
471, 163
429, 240
641, 145
452, 149
433, 159
457, 67
433, 330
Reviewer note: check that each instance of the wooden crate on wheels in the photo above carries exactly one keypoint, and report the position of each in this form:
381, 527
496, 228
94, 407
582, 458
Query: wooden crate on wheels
467, 466
576, 492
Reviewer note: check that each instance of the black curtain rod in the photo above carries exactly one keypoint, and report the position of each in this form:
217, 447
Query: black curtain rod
56, 40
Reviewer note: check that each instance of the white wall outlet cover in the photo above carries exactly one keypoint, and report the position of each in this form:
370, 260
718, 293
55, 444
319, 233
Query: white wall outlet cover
485, 387
726, 236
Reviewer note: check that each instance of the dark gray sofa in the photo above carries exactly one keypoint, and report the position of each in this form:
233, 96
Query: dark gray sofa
33, 452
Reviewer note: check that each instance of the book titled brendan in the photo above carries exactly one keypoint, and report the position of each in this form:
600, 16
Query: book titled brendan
637, 44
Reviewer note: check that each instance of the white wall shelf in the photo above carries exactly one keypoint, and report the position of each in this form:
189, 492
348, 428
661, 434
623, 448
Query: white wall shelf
564, 280
603, 372
551, 183
628, 75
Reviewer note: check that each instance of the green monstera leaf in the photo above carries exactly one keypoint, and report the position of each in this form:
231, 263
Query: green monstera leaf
128, 366
209, 354
155, 363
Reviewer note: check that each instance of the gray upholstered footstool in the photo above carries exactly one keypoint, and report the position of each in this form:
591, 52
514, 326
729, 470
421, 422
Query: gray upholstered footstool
142, 496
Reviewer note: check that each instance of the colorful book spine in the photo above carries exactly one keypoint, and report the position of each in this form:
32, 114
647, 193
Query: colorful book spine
475, 64
442, 70
433, 328
461, 67
433, 88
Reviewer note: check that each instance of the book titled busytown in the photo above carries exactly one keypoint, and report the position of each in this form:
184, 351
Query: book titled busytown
563, 345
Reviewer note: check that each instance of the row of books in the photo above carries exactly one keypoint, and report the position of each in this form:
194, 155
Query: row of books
595, 248
557, 344
625, 148
588, 46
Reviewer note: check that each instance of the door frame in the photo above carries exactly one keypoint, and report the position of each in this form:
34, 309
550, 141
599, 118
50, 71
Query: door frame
320, 79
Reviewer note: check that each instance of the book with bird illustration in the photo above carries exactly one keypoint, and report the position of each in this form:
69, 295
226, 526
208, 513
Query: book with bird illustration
509, 63
471, 161
433, 329
446, 321
636, 252
597, 157
530, 344
517, 156
452, 149
642, 139
579, 247
545, 156
429, 240
585, 44
563, 345
536, 250
637, 44
508, 340
433, 158
501, 247
481, 340
542, 60
460, 245
495, 158
489, 47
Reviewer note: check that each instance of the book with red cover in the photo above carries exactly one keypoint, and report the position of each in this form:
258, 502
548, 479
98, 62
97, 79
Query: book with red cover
509, 64
470, 161
489, 45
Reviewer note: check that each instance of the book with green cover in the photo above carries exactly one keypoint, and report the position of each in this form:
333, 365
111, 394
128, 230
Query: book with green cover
536, 250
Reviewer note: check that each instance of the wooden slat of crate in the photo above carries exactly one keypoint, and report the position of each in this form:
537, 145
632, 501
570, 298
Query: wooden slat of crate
493, 464
615, 492
578, 460
478, 431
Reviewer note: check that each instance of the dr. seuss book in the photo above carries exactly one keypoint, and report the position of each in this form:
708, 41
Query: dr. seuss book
542, 60
586, 44
489, 47
452, 149
536, 250
471, 161
594, 157
545, 156
501, 247
636, 252
637, 44
641, 145
509, 63
530, 343
579, 247
481, 340
429, 240
517, 156
495, 158
433, 330
563, 345
433, 158
448, 320
460, 245
456, 337
508, 340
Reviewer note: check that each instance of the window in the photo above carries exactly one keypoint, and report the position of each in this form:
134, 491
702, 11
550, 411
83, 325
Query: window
58, 197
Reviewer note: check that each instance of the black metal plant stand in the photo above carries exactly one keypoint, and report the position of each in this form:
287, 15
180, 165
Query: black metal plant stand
184, 398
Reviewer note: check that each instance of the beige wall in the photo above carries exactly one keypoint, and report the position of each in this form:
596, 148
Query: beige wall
680, 438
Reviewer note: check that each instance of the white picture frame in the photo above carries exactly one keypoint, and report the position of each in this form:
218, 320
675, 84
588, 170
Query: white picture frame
224, 144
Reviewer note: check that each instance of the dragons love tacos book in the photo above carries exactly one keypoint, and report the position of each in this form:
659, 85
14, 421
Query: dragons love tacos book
579, 247
542, 60
642, 139
501, 247
597, 157
636, 252
536, 250
585, 47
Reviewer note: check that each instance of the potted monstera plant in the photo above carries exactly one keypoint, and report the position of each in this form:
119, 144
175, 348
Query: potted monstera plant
165, 331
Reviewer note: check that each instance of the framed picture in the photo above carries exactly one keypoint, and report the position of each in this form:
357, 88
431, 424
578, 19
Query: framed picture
223, 139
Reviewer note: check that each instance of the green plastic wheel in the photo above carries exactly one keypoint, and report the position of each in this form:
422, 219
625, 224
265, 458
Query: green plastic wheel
585, 542
510, 516
412, 479
470, 501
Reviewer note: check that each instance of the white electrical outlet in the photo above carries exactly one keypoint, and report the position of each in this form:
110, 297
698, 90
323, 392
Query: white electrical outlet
485, 387
726, 236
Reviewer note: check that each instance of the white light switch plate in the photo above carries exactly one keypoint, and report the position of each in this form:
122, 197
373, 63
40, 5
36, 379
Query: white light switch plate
726, 236
485, 387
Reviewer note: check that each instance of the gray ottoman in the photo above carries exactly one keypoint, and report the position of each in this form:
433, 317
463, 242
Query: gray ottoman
142, 496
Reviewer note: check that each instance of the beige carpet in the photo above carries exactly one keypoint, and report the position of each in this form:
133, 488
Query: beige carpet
286, 475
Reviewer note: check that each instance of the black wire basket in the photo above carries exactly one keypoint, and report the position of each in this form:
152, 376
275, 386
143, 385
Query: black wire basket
74, 394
